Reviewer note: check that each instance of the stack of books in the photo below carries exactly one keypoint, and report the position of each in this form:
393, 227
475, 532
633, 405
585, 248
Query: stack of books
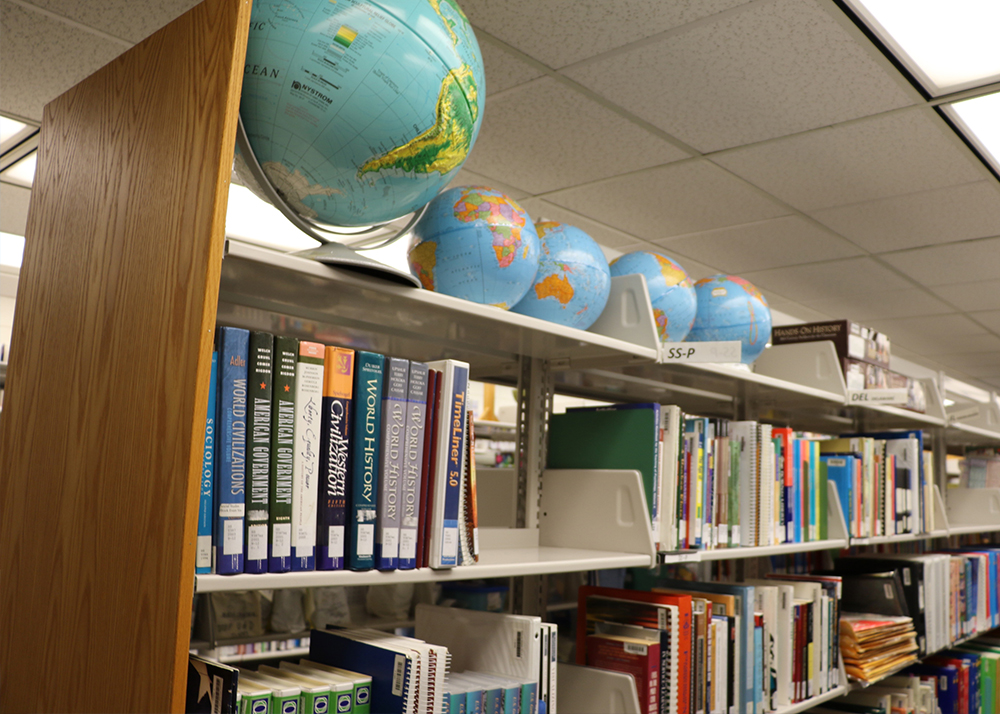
874, 646
322, 458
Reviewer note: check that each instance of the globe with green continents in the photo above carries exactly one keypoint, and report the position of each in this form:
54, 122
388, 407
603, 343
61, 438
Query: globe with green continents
361, 112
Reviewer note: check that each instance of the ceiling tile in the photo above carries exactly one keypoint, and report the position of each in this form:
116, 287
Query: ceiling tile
768, 70
540, 209
41, 58
503, 69
776, 243
557, 34
672, 200
792, 312
828, 281
469, 178
942, 215
545, 136
936, 346
862, 307
937, 334
14, 216
983, 295
990, 319
966, 262
888, 155
119, 17
977, 361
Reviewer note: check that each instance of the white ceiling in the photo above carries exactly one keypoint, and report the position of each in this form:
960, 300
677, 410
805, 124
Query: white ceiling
766, 138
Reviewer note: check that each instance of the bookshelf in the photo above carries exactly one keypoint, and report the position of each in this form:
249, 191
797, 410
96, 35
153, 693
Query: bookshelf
124, 278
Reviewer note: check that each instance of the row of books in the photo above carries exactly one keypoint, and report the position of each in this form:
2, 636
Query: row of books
961, 680
716, 648
506, 664
323, 457
979, 471
950, 595
716, 483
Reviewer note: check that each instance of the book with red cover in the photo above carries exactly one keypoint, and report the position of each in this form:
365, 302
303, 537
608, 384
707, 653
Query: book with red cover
684, 646
964, 669
426, 482
631, 655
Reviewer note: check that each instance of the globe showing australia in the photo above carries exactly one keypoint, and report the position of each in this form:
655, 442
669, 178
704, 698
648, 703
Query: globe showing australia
361, 112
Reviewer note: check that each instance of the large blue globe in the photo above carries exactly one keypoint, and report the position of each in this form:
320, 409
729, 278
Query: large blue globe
360, 112
475, 243
670, 291
731, 308
573, 280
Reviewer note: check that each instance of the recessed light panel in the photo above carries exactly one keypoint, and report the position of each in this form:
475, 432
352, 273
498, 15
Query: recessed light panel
23, 172
11, 250
949, 46
980, 121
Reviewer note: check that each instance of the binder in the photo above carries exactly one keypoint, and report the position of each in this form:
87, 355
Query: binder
393, 669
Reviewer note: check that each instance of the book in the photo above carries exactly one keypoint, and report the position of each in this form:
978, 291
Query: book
206, 515
211, 687
632, 655
260, 370
607, 439
362, 683
393, 670
341, 686
428, 465
365, 454
442, 537
230, 482
335, 452
413, 461
387, 516
315, 692
305, 465
286, 355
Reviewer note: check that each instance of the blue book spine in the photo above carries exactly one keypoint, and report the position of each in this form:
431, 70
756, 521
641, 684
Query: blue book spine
335, 452
840, 470
413, 458
231, 463
206, 511
365, 453
493, 701
387, 516
474, 701
529, 698
797, 488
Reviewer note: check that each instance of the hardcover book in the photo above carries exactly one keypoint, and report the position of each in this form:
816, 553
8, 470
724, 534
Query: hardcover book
335, 451
286, 355
387, 516
260, 370
305, 470
206, 511
413, 460
365, 453
443, 537
428, 466
230, 486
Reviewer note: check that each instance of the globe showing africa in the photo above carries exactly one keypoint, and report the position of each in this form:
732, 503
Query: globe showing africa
360, 112
671, 291
573, 280
731, 308
477, 244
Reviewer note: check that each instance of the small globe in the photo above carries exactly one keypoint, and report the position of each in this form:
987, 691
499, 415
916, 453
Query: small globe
573, 280
670, 290
360, 112
477, 244
730, 308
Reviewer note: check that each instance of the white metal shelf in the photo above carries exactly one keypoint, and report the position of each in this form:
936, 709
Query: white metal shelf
333, 305
814, 701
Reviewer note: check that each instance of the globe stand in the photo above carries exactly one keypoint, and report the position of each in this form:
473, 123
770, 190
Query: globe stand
331, 252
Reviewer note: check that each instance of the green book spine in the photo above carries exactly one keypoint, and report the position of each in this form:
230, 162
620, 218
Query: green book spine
734, 493
259, 395
286, 351
823, 493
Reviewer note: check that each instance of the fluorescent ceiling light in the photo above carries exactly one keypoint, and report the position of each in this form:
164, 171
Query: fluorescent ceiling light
980, 118
10, 129
11, 250
23, 172
949, 46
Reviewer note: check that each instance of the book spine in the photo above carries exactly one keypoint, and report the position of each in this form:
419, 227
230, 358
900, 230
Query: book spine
365, 452
203, 554
413, 459
305, 473
335, 451
260, 370
428, 467
231, 482
286, 355
451, 452
387, 515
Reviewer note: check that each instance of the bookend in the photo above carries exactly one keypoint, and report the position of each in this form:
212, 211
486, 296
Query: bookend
588, 690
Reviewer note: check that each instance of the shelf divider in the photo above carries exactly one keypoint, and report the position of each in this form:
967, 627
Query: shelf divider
588, 690
809, 364
973, 510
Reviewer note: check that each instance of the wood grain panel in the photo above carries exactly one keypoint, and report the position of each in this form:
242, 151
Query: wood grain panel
104, 411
